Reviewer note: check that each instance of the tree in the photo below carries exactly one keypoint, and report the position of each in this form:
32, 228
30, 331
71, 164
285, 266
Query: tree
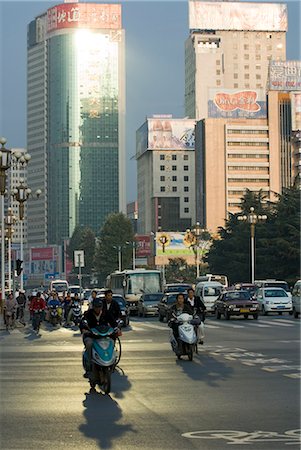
83, 238
178, 271
116, 233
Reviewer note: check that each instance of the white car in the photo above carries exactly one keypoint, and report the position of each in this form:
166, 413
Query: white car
296, 298
274, 299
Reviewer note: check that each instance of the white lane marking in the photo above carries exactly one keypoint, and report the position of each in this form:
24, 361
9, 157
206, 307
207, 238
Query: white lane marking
290, 321
259, 325
293, 375
274, 322
280, 367
211, 326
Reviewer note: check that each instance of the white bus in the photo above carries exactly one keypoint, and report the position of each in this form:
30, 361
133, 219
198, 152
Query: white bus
210, 277
133, 283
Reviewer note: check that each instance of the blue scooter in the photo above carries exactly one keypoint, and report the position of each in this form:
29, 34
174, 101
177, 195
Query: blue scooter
103, 357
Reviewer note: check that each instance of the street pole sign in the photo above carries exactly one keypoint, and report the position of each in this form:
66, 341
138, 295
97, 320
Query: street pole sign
79, 261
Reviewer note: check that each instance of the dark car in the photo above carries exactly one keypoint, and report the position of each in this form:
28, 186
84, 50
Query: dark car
236, 303
167, 301
177, 287
124, 311
148, 304
252, 288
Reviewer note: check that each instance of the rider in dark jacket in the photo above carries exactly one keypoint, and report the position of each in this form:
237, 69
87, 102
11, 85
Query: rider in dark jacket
178, 308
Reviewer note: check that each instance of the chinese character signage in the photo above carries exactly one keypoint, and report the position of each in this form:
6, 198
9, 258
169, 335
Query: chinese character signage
237, 16
235, 104
285, 76
84, 15
143, 245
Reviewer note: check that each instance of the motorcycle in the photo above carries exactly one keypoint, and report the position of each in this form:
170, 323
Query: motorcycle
76, 313
103, 359
187, 341
38, 316
55, 315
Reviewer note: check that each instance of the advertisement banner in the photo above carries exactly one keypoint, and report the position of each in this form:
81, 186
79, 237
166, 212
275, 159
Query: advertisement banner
235, 104
175, 247
296, 110
143, 245
41, 254
237, 16
285, 76
171, 134
84, 15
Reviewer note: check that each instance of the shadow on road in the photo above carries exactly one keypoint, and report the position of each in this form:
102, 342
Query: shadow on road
102, 414
120, 383
205, 368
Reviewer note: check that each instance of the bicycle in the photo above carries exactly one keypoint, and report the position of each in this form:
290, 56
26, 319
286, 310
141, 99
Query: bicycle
117, 348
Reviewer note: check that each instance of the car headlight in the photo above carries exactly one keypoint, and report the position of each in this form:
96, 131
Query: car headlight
230, 306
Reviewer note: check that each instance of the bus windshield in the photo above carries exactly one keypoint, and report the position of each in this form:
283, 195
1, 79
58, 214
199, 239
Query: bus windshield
148, 283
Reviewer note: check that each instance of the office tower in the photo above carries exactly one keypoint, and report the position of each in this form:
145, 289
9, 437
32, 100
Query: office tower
230, 46
76, 115
165, 174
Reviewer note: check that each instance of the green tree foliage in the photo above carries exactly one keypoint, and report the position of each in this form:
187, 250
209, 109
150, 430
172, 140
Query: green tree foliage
178, 271
117, 231
277, 240
83, 238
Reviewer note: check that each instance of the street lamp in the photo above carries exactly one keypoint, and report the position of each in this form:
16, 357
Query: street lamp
21, 193
252, 218
193, 238
5, 162
10, 220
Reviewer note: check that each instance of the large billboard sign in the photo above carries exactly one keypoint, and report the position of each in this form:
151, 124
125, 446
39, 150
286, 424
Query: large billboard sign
143, 245
285, 76
175, 247
236, 104
171, 134
296, 110
237, 16
84, 15
44, 260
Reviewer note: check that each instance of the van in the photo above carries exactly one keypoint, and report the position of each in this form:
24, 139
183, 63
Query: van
296, 297
273, 283
208, 291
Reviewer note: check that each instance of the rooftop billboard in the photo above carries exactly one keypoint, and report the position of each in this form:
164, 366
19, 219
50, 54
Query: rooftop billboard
84, 15
224, 103
237, 16
284, 76
171, 134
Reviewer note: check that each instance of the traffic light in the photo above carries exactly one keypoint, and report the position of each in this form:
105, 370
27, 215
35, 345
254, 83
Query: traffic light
19, 266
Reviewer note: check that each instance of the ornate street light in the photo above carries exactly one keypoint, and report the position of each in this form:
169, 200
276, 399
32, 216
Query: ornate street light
252, 218
21, 194
10, 220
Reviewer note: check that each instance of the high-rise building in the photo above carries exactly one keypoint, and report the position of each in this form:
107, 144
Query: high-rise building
230, 46
165, 174
75, 118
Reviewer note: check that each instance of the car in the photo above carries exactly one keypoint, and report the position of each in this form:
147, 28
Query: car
86, 294
165, 304
268, 283
177, 287
124, 311
236, 303
252, 288
274, 299
208, 291
296, 298
75, 289
148, 304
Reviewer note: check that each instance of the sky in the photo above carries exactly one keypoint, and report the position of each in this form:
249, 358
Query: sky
155, 36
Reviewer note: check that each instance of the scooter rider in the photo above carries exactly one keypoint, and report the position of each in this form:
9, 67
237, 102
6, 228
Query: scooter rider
178, 308
97, 315
199, 309
112, 305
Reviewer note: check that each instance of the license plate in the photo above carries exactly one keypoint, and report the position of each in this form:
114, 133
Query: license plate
244, 310
280, 306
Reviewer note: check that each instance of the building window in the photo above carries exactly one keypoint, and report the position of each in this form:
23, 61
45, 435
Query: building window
186, 199
247, 85
246, 56
186, 168
235, 56
235, 76
258, 86
258, 66
162, 157
162, 178
162, 189
218, 72
258, 57
186, 188
162, 167
186, 178
174, 189
235, 85
218, 82
258, 76
218, 63
257, 47
174, 167
247, 76
247, 67
174, 178
246, 47
185, 157
186, 210
174, 157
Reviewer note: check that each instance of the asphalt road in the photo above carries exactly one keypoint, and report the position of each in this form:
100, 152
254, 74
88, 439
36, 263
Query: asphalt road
242, 390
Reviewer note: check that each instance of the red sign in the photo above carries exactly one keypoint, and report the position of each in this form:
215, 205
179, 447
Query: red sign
143, 248
245, 100
84, 15
42, 254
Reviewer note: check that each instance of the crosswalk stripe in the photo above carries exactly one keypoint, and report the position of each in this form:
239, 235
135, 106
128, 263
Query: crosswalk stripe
285, 321
275, 322
258, 325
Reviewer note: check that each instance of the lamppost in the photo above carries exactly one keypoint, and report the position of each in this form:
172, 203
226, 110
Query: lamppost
21, 194
193, 238
10, 220
252, 218
5, 162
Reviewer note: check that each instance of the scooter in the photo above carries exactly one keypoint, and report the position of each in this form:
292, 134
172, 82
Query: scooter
38, 316
104, 357
187, 341
76, 313
55, 315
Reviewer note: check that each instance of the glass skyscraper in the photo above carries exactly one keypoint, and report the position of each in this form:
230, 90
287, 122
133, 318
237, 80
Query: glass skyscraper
76, 114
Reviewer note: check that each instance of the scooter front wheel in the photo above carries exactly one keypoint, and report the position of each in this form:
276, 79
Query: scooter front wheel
190, 353
106, 386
